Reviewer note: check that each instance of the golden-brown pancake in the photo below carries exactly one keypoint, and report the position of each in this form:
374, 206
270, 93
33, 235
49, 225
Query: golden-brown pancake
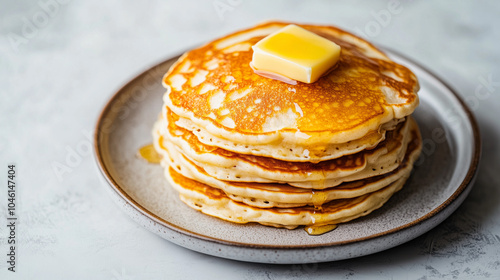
216, 203
215, 88
227, 165
289, 151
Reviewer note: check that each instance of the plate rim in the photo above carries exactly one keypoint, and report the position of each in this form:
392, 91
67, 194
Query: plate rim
113, 184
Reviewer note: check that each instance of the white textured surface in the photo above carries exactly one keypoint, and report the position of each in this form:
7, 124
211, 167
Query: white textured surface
55, 82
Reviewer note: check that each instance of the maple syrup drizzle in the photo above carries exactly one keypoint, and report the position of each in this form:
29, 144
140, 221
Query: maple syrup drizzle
149, 154
318, 199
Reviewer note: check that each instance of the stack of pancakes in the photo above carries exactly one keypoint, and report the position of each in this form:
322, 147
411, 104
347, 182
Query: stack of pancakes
246, 148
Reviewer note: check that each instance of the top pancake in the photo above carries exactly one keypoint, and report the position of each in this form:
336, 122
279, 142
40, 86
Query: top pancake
215, 87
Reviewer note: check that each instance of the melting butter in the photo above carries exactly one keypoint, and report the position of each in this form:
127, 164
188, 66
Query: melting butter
296, 53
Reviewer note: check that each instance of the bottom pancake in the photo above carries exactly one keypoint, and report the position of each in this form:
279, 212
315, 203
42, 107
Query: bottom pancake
214, 202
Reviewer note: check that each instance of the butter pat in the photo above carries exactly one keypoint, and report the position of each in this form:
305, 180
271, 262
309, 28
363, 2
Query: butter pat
295, 53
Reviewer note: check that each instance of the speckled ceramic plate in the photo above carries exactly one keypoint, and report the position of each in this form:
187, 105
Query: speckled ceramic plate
441, 180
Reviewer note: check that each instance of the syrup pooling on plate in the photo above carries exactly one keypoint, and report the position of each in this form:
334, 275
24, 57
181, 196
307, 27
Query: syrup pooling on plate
149, 154
319, 229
